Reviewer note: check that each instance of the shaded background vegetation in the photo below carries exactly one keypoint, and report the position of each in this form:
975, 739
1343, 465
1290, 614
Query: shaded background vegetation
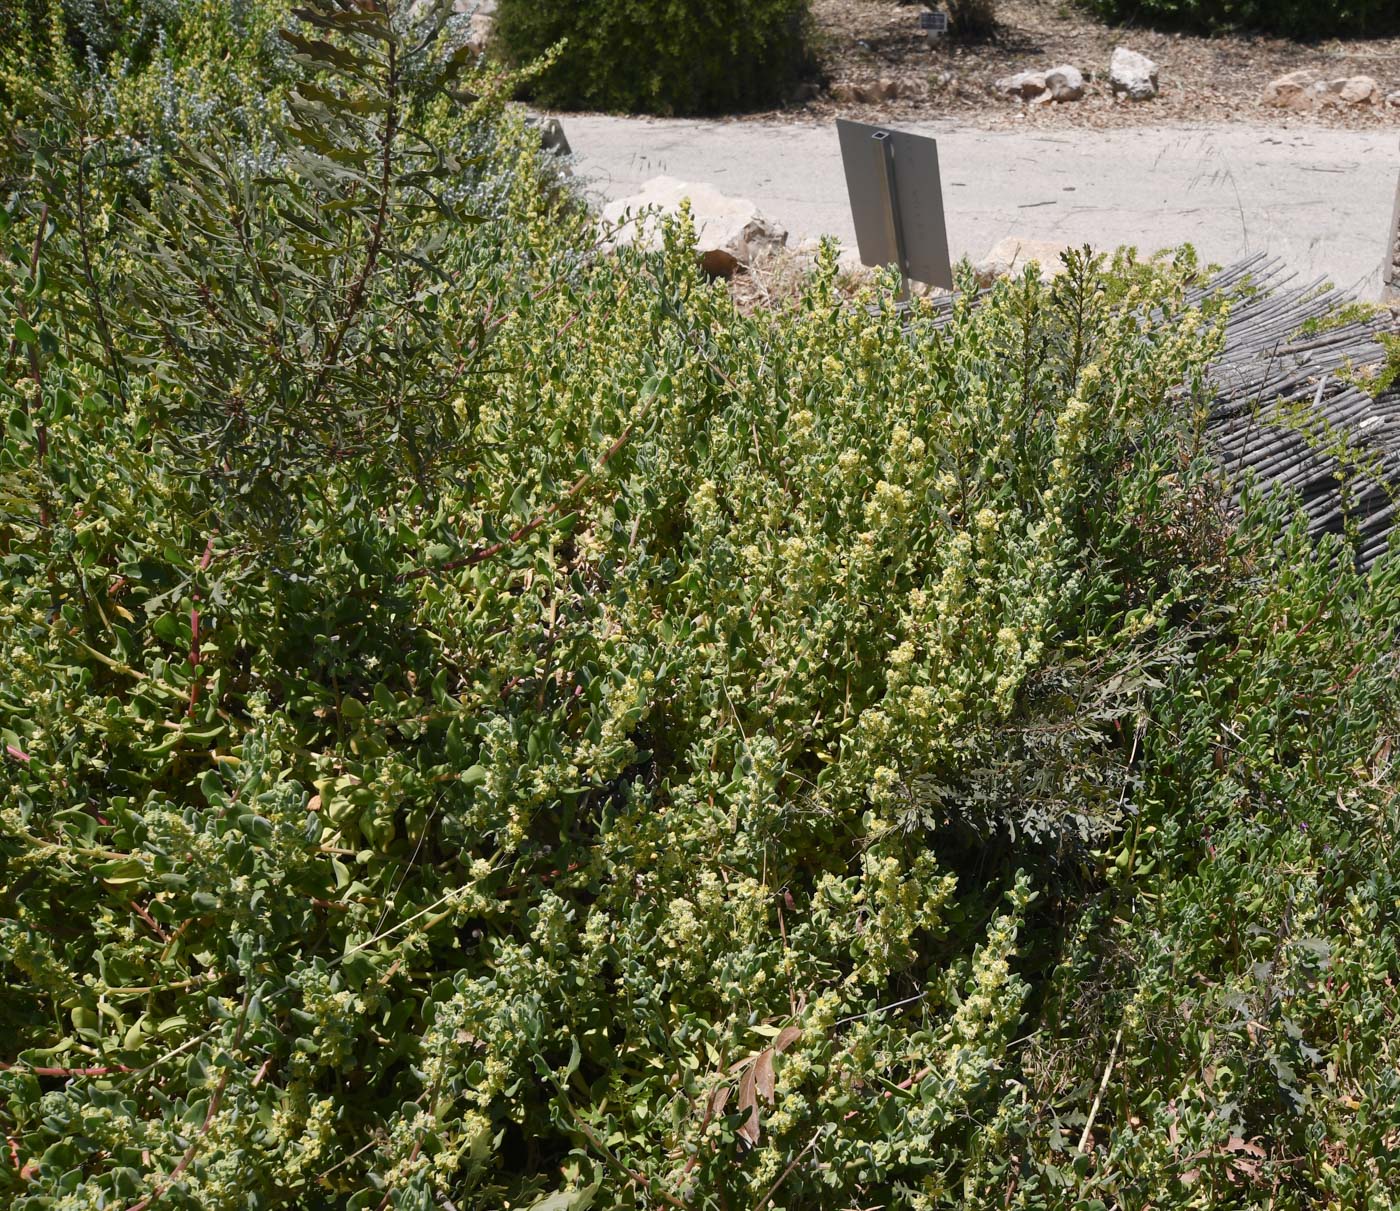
1304, 19
679, 57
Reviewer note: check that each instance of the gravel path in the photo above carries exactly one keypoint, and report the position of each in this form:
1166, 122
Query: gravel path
1321, 199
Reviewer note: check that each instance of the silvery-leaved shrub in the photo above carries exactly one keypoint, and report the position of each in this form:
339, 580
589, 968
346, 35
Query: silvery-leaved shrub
156, 71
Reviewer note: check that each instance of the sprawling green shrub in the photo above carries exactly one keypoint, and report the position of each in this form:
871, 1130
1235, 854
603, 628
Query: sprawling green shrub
485, 724
1295, 18
659, 56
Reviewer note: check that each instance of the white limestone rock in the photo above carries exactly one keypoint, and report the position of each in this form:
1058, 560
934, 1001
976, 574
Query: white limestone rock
1008, 257
1290, 91
1023, 86
729, 232
1065, 83
1132, 75
1302, 91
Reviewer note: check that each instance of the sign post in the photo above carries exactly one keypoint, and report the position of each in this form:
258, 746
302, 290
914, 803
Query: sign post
897, 202
934, 25
883, 146
1390, 267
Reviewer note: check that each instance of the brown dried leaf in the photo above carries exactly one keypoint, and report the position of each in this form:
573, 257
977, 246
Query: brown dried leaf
763, 1074
749, 1129
786, 1038
718, 1099
1236, 1144
1244, 1168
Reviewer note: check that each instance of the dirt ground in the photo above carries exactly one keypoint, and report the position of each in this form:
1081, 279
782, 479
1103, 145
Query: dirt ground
1215, 79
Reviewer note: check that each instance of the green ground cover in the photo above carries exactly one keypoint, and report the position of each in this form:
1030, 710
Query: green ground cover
488, 724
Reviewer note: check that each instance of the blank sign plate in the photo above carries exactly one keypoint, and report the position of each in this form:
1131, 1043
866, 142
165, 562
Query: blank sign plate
920, 201
1390, 267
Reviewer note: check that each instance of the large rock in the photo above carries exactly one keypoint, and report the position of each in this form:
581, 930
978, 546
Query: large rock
1023, 86
1011, 255
479, 24
1064, 83
1132, 75
1301, 91
1290, 91
729, 232
483, 17
1357, 90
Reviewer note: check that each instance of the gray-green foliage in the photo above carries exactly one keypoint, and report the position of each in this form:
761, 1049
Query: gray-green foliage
486, 723
155, 72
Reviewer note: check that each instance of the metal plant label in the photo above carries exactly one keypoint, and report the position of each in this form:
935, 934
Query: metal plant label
896, 200
1390, 273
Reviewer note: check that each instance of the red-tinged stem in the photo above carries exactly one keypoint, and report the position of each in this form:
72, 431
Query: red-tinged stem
215, 1101
906, 1084
194, 629
150, 921
190, 1152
